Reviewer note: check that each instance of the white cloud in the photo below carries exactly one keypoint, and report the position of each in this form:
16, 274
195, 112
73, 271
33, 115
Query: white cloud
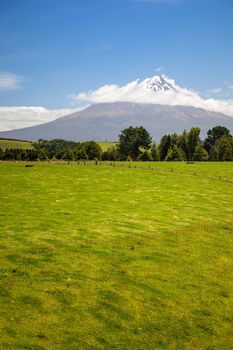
21, 117
159, 69
139, 92
9, 81
225, 91
214, 91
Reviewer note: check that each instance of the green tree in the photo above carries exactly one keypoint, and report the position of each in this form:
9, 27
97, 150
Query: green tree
31, 154
90, 148
155, 152
164, 146
193, 141
42, 155
54, 145
213, 135
8, 154
174, 139
131, 140
183, 142
145, 156
17, 152
110, 154
175, 154
222, 149
68, 155
80, 152
59, 154
200, 154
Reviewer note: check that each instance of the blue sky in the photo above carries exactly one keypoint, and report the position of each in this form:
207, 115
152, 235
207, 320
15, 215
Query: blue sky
50, 49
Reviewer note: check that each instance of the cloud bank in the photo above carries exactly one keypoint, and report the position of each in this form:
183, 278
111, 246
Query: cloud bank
9, 81
141, 92
22, 117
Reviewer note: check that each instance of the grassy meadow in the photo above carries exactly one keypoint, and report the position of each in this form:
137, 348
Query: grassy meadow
106, 145
5, 143
96, 257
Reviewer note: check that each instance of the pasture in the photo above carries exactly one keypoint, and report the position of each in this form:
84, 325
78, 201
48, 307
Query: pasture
106, 145
7, 143
99, 257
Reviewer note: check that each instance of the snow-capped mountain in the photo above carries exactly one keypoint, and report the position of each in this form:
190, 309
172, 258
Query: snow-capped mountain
158, 84
104, 121
157, 103
154, 90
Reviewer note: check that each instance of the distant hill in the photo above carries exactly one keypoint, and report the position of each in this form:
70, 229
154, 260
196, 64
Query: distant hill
105, 121
7, 143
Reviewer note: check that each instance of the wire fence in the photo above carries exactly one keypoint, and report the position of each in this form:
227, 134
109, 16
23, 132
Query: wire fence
127, 165
148, 167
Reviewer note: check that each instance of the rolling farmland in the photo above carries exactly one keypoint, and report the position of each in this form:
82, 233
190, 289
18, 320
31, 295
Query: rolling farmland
100, 257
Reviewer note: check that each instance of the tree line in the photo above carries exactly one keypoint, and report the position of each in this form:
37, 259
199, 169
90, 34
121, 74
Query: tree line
57, 149
135, 143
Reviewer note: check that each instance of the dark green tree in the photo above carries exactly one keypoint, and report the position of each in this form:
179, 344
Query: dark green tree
42, 155
174, 139
132, 140
59, 154
193, 141
183, 142
110, 154
68, 155
31, 154
222, 149
54, 145
90, 148
155, 152
164, 146
80, 152
17, 154
213, 135
8, 154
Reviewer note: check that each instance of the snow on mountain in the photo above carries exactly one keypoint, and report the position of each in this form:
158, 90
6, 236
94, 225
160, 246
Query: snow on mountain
158, 83
155, 90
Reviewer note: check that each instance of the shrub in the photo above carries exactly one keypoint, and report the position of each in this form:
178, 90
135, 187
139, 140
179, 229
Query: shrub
200, 154
145, 156
175, 154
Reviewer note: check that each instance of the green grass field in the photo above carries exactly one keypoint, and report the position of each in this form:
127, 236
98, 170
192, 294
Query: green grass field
4, 143
106, 145
114, 258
